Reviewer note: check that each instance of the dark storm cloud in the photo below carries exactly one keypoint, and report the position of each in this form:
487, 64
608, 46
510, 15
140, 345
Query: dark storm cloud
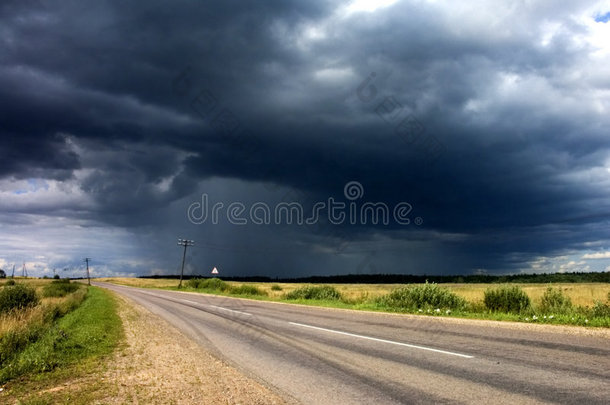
124, 100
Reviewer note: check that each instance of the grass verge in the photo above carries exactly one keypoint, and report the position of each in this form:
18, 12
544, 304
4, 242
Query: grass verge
21, 327
70, 348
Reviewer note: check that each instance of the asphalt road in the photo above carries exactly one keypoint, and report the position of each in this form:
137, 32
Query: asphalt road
328, 356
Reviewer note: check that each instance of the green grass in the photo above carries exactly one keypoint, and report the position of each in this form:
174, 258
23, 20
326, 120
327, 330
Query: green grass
89, 331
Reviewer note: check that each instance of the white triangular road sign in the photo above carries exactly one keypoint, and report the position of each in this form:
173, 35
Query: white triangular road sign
215, 271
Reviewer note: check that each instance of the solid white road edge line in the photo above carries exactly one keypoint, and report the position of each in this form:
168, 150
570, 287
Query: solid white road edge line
382, 340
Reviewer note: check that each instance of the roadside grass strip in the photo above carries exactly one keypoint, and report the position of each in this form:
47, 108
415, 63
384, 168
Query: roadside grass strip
88, 332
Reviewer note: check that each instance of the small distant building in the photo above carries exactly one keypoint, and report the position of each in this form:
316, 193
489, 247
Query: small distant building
2, 274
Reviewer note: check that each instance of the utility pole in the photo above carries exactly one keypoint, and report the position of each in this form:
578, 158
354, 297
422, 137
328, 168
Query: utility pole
13, 276
25, 272
88, 276
185, 243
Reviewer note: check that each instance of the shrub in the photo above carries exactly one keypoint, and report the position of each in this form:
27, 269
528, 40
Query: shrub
247, 289
59, 288
194, 282
17, 296
276, 287
506, 299
422, 296
324, 292
214, 284
553, 300
601, 310
10, 282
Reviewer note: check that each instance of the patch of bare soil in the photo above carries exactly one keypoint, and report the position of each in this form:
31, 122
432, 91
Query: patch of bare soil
160, 365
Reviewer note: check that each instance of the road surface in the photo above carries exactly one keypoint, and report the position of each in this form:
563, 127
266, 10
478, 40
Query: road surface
328, 356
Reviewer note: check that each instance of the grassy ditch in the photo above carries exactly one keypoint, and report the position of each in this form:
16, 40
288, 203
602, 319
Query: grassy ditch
70, 323
26, 318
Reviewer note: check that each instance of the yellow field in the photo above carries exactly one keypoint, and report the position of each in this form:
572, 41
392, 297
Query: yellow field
581, 294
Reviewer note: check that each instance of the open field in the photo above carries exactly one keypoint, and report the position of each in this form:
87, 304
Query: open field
581, 294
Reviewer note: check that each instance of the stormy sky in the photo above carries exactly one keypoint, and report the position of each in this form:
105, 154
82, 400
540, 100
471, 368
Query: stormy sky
450, 137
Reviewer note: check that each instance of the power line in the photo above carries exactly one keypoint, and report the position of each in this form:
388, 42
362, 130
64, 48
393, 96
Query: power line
185, 243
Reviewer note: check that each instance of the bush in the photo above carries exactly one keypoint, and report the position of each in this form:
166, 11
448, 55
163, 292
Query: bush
10, 282
17, 296
507, 299
553, 301
276, 287
59, 288
214, 284
194, 282
424, 296
247, 289
601, 310
324, 292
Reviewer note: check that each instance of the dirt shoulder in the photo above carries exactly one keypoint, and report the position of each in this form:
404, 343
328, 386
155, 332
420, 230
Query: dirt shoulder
161, 365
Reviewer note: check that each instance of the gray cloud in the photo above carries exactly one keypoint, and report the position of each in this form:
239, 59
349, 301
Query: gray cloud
129, 112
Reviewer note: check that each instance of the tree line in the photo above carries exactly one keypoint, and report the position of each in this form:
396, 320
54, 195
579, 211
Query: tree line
576, 277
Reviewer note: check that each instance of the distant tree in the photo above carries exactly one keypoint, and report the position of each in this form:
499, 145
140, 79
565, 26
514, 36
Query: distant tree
2, 274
